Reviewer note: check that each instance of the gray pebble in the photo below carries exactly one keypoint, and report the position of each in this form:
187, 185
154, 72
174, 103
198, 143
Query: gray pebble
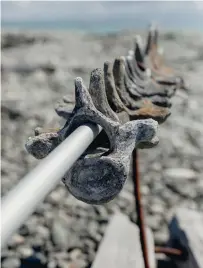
52, 264
75, 254
54, 198
60, 234
25, 252
43, 232
11, 263
170, 197
8, 253
42, 208
76, 263
101, 212
186, 190
179, 174
16, 240
40, 256
145, 190
156, 208
154, 222
37, 243
62, 255
89, 244
161, 236
63, 264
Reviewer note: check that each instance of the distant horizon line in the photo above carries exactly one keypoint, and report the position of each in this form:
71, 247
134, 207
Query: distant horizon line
114, 23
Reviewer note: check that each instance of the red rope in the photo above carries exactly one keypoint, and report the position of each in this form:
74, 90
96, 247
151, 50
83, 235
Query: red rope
139, 209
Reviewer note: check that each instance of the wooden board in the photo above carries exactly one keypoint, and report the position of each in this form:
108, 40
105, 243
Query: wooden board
187, 227
120, 247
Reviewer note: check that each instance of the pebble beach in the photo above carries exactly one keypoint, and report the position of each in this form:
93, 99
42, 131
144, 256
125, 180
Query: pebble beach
38, 69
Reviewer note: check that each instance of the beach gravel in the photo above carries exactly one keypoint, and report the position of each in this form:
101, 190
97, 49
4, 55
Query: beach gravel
38, 69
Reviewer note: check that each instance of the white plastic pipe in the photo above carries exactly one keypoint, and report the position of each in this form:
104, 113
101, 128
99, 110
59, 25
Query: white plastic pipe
33, 188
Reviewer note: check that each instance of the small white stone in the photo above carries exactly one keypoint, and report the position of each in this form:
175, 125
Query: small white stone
25, 252
157, 209
180, 174
75, 254
145, 190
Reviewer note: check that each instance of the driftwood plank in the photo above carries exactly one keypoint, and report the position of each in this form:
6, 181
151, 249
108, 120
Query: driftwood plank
187, 227
120, 247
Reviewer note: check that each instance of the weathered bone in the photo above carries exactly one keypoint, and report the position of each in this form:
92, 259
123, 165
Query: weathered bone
85, 180
98, 94
99, 175
118, 74
134, 73
142, 83
142, 62
150, 39
140, 108
63, 110
41, 145
143, 108
124, 88
138, 49
112, 95
98, 178
154, 60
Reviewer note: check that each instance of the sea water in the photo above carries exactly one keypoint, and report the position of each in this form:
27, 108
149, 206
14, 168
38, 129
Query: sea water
177, 22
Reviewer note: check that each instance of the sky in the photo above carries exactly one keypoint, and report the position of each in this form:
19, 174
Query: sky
56, 10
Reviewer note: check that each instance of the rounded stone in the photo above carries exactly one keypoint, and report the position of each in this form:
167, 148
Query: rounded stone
178, 174
11, 262
25, 252
16, 240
